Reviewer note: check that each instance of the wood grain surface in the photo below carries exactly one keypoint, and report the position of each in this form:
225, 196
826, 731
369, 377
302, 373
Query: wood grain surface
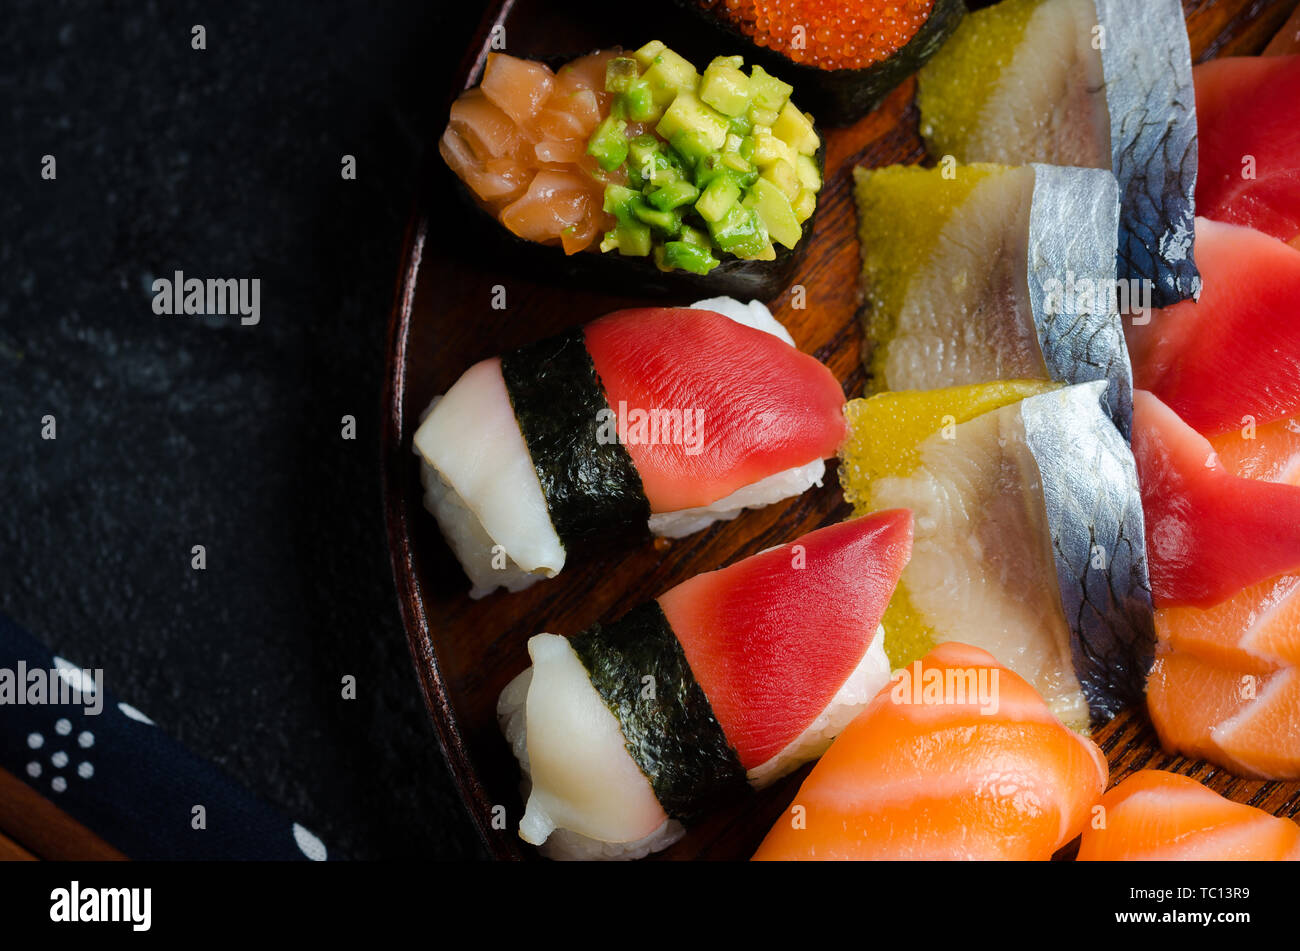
33, 827
466, 651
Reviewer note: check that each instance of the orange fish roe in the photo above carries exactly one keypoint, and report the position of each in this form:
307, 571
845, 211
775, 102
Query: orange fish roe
829, 34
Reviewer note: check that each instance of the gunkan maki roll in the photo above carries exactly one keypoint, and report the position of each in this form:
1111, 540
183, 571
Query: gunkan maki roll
641, 172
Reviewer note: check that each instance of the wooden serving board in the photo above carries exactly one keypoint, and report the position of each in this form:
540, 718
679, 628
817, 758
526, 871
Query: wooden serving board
443, 321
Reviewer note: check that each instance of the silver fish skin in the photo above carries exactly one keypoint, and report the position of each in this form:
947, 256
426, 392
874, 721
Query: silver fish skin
1073, 233
1094, 512
1147, 67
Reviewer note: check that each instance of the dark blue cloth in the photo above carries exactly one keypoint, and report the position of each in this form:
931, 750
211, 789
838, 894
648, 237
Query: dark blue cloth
110, 767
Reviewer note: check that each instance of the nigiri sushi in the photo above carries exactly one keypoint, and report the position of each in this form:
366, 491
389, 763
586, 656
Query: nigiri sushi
1155, 816
1232, 357
1209, 532
958, 758
988, 272
729, 680
1248, 125
676, 179
846, 55
1095, 83
646, 421
1029, 534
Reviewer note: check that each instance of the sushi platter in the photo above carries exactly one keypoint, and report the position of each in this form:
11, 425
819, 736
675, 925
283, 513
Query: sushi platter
842, 193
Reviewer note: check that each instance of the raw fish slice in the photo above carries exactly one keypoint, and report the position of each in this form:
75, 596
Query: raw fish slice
945, 777
1270, 452
743, 403
1245, 721
1094, 83
1155, 815
1028, 543
1232, 357
1209, 533
1256, 630
772, 638
988, 272
1248, 120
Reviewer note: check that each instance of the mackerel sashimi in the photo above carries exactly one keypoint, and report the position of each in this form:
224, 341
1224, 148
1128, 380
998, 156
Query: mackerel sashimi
1028, 534
1094, 83
1232, 357
726, 682
646, 421
1248, 118
1209, 532
1158, 816
988, 272
958, 758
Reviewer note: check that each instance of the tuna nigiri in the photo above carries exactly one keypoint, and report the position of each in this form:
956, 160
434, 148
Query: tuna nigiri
657, 420
1028, 534
1094, 83
1155, 816
1233, 357
729, 680
1209, 533
958, 758
1248, 125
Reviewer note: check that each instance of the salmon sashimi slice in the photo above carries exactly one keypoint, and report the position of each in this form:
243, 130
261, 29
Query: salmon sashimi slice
518, 87
1233, 356
708, 379
1270, 452
1257, 630
1248, 143
1209, 534
1247, 722
942, 774
1155, 815
772, 638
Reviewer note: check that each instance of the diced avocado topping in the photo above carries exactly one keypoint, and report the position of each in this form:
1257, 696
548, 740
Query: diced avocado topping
715, 163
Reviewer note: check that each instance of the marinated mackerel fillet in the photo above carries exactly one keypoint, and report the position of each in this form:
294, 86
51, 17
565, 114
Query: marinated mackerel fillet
932, 770
660, 420
1157, 816
1248, 123
1028, 536
728, 681
1233, 357
987, 272
1095, 83
639, 154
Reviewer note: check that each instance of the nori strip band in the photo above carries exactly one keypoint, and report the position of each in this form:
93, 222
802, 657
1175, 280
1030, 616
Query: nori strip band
670, 730
1094, 512
592, 489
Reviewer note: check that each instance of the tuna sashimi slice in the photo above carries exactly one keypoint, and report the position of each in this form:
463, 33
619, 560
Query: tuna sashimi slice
706, 405
945, 779
1248, 131
1155, 815
772, 638
1234, 355
1209, 533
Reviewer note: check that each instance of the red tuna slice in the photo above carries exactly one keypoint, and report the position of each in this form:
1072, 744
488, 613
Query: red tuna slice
1236, 352
1248, 123
771, 639
1209, 533
755, 405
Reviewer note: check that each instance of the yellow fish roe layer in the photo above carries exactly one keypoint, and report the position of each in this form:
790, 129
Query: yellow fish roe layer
885, 436
954, 86
901, 211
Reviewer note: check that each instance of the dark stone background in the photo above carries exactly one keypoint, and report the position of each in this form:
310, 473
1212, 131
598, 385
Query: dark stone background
176, 431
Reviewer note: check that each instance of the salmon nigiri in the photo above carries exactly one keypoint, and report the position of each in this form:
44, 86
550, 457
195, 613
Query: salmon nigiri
1154, 815
958, 758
